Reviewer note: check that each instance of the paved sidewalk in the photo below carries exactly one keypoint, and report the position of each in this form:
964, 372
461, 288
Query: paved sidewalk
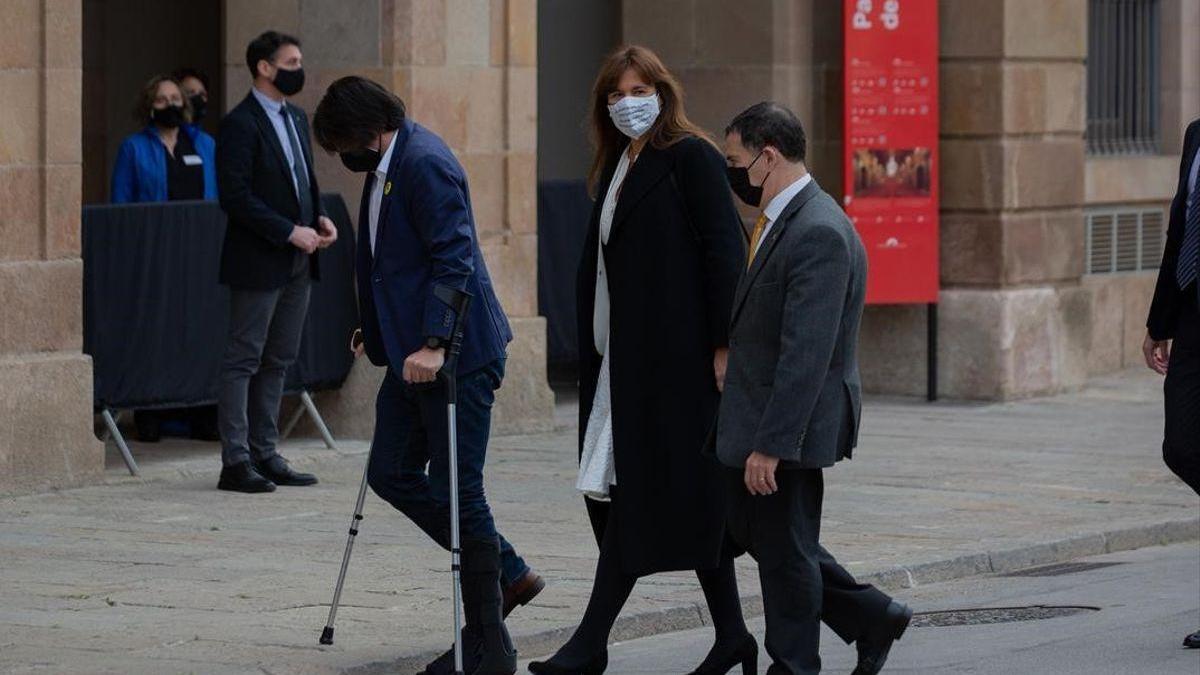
168, 575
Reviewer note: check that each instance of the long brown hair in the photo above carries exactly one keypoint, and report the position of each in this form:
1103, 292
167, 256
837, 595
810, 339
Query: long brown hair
671, 126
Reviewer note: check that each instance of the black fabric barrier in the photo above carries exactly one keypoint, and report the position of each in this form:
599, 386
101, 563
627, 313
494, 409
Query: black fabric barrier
155, 319
564, 209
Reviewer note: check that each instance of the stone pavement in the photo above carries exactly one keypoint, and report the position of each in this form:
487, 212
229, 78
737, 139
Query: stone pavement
166, 575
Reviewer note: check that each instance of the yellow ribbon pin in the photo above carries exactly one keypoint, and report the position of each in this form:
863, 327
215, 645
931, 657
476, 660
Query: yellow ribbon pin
387, 188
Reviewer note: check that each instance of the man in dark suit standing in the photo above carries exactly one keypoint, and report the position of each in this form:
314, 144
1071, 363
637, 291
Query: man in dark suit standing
269, 193
1172, 345
792, 397
416, 234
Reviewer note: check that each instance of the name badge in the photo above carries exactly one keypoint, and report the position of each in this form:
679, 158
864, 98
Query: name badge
192, 160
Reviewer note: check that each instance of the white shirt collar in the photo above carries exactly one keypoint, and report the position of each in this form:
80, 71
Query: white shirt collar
781, 200
269, 104
385, 161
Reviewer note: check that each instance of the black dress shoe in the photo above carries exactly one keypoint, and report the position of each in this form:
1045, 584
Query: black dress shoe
243, 477
595, 666
276, 470
1192, 641
873, 647
724, 657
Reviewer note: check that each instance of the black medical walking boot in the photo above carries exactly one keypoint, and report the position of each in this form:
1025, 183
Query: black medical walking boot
484, 605
520, 592
444, 664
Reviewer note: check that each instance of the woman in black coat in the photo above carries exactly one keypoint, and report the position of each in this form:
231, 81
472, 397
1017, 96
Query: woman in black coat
653, 325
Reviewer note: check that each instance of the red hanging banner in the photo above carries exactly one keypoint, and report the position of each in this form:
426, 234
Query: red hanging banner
891, 151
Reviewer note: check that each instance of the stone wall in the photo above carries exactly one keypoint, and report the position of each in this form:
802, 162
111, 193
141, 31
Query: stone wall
1015, 319
467, 69
45, 381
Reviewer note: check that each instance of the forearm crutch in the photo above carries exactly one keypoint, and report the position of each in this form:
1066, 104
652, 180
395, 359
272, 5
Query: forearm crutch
327, 634
458, 301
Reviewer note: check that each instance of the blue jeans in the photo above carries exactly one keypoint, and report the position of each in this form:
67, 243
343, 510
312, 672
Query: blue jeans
409, 457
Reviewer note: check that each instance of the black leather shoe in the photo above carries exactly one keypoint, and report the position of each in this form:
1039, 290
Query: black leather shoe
595, 666
242, 477
1192, 641
276, 470
523, 591
873, 647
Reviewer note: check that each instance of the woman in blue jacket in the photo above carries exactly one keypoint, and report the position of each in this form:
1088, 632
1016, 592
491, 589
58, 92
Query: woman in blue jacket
170, 159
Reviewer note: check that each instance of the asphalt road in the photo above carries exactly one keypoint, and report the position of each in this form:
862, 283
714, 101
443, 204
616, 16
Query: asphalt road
1147, 601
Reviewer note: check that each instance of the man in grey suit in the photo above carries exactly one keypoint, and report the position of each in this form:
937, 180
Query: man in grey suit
791, 398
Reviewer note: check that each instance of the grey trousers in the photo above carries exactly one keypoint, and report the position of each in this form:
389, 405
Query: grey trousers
265, 328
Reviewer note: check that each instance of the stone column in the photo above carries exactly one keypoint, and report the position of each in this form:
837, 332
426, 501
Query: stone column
467, 69
1180, 71
46, 437
1015, 319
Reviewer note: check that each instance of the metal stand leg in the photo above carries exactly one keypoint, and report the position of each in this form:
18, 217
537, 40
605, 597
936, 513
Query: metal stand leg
327, 634
115, 432
931, 343
311, 407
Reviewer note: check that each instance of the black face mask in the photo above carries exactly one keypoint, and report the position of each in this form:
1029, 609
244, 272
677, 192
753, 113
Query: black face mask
169, 117
289, 82
360, 161
199, 107
739, 182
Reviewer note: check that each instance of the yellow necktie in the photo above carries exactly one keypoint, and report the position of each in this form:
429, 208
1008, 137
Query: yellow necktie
758, 232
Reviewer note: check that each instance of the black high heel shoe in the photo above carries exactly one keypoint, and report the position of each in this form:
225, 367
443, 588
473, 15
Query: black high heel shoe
720, 661
595, 666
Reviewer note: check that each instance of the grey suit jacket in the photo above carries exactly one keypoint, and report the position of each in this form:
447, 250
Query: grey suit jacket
792, 388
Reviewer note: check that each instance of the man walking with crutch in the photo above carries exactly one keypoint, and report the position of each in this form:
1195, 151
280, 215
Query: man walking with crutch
416, 241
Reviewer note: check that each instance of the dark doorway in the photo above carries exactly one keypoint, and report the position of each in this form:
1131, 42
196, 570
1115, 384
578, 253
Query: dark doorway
573, 38
125, 43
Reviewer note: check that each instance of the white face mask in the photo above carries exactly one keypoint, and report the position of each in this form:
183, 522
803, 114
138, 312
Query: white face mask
634, 115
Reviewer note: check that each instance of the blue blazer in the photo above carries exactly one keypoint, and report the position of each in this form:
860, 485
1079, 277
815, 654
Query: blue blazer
140, 174
425, 237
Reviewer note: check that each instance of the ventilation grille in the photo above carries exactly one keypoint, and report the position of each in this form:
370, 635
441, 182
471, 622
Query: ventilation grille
1124, 240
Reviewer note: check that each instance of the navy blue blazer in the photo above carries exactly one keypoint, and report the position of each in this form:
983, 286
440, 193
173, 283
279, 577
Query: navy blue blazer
425, 237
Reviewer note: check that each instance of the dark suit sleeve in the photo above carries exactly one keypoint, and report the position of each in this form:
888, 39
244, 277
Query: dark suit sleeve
1164, 308
443, 221
814, 299
235, 183
709, 204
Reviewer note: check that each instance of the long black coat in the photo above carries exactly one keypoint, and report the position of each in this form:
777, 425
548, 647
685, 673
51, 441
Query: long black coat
674, 256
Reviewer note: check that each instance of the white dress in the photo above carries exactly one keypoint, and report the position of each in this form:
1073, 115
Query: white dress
597, 465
